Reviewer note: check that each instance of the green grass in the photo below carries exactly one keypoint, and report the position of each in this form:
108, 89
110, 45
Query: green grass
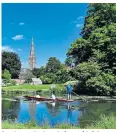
32, 125
27, 87
106, 122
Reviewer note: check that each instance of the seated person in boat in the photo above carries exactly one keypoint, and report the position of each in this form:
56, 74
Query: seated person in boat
53, 95
69, 90
37, 96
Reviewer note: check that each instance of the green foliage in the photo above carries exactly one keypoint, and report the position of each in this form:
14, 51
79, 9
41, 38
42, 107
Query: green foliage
97, 45
68, 61
63, 76
79, 51
39, 71
53, 72
53, 65
11, 62
36, 72
48, 78
86, 70
106, 122
13, 82
6, 75
104, 84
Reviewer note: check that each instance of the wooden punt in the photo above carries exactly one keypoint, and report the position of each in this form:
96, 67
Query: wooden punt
47, 99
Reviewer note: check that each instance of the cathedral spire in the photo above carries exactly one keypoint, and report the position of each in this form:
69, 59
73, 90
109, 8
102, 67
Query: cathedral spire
32, 41
32, 58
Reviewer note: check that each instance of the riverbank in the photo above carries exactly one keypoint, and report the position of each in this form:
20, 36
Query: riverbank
45, 88
106, 122
28, 88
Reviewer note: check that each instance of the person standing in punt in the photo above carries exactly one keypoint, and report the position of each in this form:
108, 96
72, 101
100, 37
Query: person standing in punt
69, 90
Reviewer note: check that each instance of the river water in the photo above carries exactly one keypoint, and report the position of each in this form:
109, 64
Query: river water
75, 113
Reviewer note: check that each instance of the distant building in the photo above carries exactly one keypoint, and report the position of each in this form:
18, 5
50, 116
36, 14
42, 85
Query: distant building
36, 81
32, 58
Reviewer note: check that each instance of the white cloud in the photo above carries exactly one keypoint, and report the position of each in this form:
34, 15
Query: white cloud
21, 23
73, 22
20, 49
76, 21
17, 37
7, 49
80, 17
79, 25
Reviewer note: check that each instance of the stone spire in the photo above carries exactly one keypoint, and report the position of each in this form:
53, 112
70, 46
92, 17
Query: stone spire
32, 58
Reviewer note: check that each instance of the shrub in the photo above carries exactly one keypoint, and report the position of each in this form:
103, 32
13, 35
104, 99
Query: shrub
13, 82
6, 76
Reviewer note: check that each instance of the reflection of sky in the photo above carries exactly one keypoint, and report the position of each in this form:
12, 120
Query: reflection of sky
23, 115
45, 115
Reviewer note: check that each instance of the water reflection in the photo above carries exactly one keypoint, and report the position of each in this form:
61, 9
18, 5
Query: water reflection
10, 110
76, 113
69, 113
53, 108
32, 110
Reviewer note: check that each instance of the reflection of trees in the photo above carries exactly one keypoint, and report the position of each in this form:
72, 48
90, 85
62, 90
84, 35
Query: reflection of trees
10, 109
32, 110
53, 110
92, 112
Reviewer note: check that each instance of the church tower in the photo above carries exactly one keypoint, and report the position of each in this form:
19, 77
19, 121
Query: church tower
32, 58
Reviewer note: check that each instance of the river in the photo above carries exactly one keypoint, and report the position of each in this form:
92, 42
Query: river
17, 109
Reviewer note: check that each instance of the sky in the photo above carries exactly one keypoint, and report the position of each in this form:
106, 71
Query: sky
54, 27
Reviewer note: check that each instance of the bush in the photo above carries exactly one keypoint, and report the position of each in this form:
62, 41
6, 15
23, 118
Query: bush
13, 82
6, 76
103, 84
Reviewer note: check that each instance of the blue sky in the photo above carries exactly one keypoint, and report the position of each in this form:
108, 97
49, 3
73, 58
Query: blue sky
53, 26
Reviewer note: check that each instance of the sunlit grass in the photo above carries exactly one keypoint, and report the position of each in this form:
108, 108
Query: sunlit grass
27, 87
106, 122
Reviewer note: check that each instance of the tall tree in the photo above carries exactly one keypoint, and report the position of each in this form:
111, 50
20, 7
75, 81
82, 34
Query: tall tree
98, 45
98, 40
53, 65
36, 72
11, 62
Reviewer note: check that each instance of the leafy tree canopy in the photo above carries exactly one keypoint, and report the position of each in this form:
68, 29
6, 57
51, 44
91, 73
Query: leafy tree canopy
11, 62
53, 65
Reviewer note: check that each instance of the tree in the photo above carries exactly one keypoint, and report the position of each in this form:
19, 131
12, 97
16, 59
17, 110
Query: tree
36, 72
79, 51
83, 72
39, 71
63, 75
28, 76
53, 65
104, 84
6, 75
11, 62
96, 45
68, 61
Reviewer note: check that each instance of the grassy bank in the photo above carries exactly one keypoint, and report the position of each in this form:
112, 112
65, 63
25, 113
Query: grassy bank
27, 87
104, 123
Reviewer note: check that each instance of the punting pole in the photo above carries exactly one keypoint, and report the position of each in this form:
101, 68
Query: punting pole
79, 96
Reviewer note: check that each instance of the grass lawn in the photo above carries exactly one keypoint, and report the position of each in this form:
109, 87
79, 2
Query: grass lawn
106, 122
27, 87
